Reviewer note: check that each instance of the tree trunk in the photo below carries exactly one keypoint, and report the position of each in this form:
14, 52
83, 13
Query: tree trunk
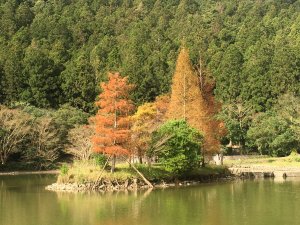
149, 161
202, 161
140, 159
113, 164
3, 159
142, 176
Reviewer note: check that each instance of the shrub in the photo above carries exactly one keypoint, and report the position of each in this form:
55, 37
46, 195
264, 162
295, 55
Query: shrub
64, 169
181, 149
100, 159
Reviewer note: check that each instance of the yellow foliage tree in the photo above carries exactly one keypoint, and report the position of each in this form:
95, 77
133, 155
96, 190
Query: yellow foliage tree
145, 121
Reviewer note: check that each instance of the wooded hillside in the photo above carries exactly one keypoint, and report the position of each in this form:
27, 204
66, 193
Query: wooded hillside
56, 52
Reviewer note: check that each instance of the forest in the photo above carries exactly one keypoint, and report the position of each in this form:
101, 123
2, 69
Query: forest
239, 60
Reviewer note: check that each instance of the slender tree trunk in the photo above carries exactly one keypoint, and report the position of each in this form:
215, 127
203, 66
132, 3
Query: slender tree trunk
140, 157
149, 161
3, 158
113, 164
141, 175
203, 159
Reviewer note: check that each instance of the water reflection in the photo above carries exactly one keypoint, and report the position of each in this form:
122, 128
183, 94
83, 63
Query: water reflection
24, 201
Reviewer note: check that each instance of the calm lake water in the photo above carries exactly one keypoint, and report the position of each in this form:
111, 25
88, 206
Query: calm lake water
24, 201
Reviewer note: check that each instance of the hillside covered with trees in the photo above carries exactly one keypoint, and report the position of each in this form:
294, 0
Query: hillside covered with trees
245, 53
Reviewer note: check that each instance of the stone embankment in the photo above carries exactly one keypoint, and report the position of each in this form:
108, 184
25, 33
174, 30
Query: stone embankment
265, 171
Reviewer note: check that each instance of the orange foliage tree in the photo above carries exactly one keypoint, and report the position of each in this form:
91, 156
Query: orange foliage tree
192, 99
112, 121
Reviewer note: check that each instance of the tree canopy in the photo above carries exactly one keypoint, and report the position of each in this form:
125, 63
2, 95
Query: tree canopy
56, 52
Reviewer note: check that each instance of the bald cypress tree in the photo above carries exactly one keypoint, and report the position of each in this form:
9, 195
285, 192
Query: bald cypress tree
194, 102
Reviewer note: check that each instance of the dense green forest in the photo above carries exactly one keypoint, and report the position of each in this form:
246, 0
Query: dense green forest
54, 54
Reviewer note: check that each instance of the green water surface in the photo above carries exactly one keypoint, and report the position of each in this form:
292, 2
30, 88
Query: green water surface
24, 201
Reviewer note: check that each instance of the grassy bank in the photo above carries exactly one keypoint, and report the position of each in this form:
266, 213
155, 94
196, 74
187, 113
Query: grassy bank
81, 172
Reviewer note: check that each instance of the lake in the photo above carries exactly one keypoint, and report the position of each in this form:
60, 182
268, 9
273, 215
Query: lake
24, 201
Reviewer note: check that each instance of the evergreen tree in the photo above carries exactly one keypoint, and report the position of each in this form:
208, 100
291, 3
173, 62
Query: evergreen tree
78, 83
43, 78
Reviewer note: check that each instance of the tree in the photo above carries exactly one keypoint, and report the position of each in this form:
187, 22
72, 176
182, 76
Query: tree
145, 121
194, 104
14, 128
43, 78
228, 75
142, 127
180, 152
45, 144
112, 121
276, 132
79, 83
67, 118
288, 107
272, 135
80, 144
237, 118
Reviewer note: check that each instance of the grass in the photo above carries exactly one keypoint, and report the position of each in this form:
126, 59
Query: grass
81, 172
293, 161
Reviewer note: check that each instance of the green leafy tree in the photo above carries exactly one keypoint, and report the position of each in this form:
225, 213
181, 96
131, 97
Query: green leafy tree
272, 135
180, 152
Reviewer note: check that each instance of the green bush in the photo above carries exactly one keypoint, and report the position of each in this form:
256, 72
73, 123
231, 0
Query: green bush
100, 159
64, 169
181, 150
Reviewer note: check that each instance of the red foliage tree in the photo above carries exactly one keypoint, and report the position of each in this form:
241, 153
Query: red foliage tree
112, 122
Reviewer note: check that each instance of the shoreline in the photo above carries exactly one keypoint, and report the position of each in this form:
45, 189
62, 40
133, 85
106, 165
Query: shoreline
264, 171
133, 184
14, 173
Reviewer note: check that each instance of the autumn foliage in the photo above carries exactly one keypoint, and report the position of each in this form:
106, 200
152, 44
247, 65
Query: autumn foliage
112, 123
192, 99
145, 121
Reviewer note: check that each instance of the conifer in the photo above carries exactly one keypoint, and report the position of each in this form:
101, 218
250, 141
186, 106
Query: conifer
112, 121
194, 102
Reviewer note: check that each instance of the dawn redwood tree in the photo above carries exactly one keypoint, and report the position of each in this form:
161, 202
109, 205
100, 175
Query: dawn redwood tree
192, 100
112, 121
